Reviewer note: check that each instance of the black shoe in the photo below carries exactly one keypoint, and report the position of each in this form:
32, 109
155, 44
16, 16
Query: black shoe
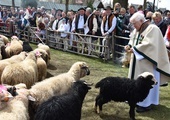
164, 85
140, 109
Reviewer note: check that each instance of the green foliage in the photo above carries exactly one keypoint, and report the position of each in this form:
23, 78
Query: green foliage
26, 3
90, 4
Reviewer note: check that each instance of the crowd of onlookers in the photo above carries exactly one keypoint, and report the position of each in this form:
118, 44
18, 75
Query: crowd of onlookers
98, 22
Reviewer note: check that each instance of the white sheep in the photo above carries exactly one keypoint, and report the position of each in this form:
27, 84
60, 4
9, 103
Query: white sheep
58, 85
42, 67
44, 54
23, 72
14, 48
5, 39
13, 59
46, 48
17, 108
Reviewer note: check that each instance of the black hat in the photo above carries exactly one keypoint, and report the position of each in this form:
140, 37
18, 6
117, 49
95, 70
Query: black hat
108, 7
81, 9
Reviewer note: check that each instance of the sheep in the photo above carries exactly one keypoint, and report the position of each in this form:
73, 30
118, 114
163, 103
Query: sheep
46, 48
14, 48
23, 72
44, 54
5, 39
13, 59
17, 108
59, 84
124, 89
1, 45
26, 47
59, 107
42, 67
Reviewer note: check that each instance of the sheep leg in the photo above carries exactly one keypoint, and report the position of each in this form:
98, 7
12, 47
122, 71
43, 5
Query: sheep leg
100, 103
96, 105
132, 111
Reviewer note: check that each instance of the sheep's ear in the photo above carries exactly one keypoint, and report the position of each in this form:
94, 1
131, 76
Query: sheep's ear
31, 98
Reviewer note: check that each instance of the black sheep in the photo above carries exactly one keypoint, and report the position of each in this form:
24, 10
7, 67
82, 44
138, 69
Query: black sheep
64, 107
124, 89
26, 46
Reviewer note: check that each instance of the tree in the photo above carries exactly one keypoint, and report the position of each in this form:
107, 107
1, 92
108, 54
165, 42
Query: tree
67, 3
13, 3
144, 4
26, 3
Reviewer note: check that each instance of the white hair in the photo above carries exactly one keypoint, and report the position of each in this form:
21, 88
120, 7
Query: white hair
137, 17
89, 10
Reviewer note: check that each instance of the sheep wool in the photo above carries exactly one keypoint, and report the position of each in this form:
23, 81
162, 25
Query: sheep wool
23, 72
42, 67
5, 39
13, 59
14, 48
59, 84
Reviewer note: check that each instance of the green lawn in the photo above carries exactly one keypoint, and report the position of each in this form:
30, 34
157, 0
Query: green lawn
61, 62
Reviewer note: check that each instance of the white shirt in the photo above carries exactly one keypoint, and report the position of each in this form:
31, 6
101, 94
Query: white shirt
106, 26
54, 25
81, 22
63, 28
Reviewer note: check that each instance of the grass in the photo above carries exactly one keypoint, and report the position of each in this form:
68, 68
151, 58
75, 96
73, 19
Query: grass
62, 61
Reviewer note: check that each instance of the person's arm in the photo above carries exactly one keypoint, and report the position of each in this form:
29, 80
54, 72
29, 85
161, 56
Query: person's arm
113, 25
94, 25
102, 30
73, 25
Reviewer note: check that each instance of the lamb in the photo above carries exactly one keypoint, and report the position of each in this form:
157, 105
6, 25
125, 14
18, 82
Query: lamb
13, 59
124, 89
14, 48
59, 84
42, 67
23, 72
17, 108
59, 107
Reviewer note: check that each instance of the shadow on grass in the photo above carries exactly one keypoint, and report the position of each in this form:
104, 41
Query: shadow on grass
159, 112
52, 67
112, 117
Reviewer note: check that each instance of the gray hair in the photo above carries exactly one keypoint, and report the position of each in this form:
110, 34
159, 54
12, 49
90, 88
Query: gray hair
137, 17
89, 10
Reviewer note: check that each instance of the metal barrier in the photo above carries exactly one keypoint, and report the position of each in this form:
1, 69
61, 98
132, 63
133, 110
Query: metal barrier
87, 45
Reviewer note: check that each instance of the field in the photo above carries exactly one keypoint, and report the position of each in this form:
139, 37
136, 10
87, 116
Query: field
62, 61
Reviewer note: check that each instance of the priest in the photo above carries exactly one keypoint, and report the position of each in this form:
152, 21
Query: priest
148, 54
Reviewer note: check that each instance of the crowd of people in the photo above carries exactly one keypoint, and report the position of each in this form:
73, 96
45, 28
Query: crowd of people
98, 22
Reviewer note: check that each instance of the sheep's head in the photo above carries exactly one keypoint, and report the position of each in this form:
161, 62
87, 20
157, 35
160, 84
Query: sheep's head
5, 96
79, 70
148, 79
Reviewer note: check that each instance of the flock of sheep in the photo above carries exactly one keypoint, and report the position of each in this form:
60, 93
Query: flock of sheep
24, 86
26, 93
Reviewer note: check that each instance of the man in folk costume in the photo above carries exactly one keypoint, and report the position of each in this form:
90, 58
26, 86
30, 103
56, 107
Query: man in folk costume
78, 25
145, 43
107, 27
90, 28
